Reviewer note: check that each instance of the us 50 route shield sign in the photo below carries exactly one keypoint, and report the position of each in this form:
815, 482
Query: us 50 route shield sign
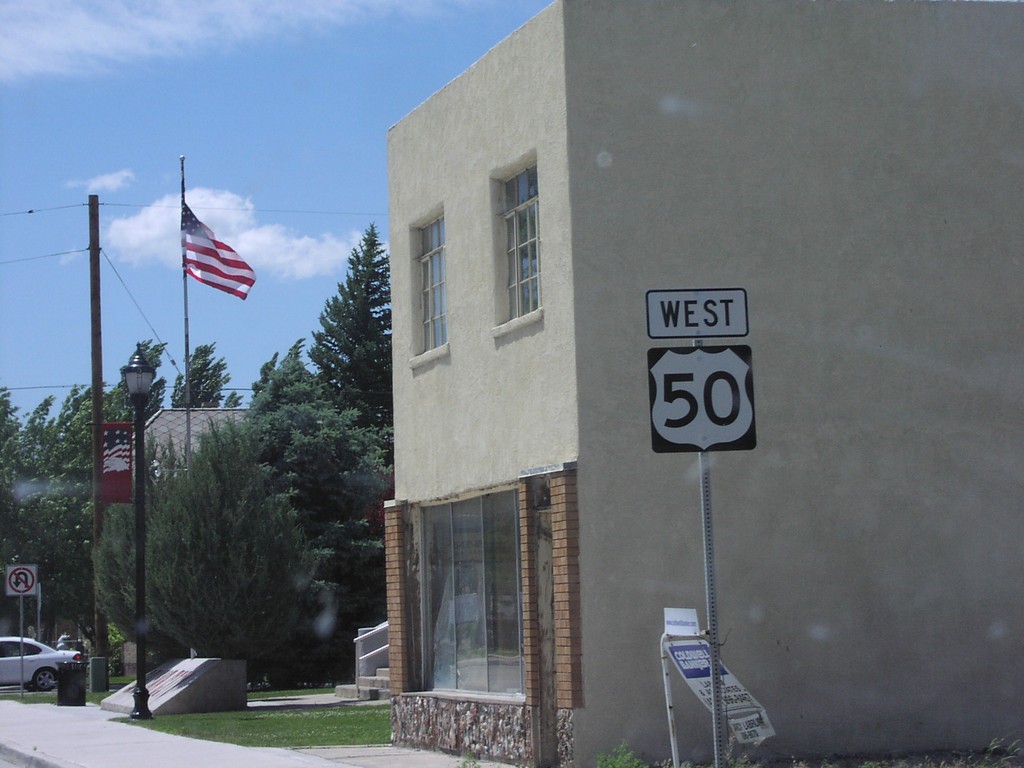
702, 399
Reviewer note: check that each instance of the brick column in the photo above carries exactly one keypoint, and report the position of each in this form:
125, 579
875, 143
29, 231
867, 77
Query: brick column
531, 619
566, 574
398, 618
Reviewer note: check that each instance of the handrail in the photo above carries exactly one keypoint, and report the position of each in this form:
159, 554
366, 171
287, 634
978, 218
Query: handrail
371, 644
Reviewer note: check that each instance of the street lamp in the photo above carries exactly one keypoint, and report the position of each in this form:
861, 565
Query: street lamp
138, 378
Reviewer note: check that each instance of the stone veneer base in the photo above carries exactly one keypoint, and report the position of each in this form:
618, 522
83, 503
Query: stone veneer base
481, 729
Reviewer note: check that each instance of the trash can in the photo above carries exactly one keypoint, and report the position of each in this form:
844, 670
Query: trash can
98, 681
71, 683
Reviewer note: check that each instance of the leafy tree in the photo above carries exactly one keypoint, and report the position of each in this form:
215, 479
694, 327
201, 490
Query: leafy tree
9, 428
46, 493
208, 377
47, 506
352, 351
225, 556
332, 470
9, 431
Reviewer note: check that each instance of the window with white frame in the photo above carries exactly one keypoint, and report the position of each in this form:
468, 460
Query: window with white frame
434, 294
522, 243
471, 595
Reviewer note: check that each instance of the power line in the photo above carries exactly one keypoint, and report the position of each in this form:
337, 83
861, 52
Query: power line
46, 256
43, 386
86, 386
205, 208
253, 210
43, 210
132, 297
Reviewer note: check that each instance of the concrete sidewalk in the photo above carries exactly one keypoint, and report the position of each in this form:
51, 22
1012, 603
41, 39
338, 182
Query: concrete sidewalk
48, 736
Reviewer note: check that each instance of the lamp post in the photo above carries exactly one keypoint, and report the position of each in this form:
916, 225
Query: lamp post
138, 378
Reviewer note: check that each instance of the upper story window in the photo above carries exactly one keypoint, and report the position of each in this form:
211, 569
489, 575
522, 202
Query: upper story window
434, 294
522, 243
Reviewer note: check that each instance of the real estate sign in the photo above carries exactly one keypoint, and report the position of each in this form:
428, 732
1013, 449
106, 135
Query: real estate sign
747, 719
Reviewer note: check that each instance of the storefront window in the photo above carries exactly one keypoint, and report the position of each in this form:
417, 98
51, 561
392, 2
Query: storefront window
472, 593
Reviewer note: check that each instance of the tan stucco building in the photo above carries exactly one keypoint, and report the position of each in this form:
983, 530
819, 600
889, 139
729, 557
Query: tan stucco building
858, 168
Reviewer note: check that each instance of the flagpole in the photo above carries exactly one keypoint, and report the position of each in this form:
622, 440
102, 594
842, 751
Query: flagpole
188, 356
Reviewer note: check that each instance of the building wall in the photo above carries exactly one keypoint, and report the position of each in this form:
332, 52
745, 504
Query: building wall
858, 167
501, 397
499, 401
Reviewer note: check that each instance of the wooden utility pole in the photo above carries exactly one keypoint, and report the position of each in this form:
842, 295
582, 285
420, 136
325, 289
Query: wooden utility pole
99, 619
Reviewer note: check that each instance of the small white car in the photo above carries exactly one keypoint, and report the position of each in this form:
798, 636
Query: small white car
40, 663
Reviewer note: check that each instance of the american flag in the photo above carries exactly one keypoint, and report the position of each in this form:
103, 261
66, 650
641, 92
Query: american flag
116, 484
210, 261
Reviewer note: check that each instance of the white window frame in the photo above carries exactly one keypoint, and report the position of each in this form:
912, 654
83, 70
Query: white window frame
433, 286
522, 242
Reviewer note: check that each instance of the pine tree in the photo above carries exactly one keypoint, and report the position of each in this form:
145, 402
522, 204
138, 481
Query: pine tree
331, 471
352, 352
227, 559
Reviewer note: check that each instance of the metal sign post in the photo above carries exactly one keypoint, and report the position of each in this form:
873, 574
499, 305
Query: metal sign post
21, 580
717, 713
702, 399
21, 645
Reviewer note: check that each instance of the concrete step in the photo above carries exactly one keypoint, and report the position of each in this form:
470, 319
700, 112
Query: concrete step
352, 691
367, 687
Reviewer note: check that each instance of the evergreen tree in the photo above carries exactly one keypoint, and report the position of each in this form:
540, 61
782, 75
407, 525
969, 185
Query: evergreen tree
352, 351
208, 377
226, 559
332, 470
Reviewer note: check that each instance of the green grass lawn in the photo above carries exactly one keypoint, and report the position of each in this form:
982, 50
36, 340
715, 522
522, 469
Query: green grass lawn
307, 727
350, 725
50, 697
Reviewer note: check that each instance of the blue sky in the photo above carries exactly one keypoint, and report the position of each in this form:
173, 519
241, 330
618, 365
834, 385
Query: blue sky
282, 111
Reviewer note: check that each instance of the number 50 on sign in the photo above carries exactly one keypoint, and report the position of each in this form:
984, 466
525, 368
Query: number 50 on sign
702, 399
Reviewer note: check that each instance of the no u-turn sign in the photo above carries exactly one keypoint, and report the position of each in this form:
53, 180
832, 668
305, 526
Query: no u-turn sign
22, 580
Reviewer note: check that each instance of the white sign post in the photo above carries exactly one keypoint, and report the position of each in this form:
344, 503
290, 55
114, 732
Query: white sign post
21, 580
702, 399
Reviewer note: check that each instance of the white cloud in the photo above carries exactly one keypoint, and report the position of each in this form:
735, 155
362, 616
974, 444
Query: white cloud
107, 182
64, 37
154, 236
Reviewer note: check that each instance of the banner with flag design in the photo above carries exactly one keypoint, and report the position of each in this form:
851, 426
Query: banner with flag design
116, 477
